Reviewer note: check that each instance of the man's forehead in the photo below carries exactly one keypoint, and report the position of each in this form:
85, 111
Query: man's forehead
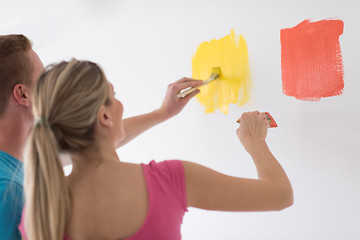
37, 65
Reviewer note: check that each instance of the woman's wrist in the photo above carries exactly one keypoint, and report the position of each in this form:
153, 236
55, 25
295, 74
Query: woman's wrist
257, 147
160, 115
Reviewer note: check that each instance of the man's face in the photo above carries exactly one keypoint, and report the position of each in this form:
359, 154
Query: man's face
38, 68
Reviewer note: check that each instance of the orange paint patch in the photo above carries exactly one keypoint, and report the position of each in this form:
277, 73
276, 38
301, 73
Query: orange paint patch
311, 61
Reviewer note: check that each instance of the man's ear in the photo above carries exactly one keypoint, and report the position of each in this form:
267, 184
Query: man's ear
104, 117
21, 95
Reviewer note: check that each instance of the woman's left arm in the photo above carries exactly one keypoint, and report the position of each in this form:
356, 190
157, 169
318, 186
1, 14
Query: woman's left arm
170, 107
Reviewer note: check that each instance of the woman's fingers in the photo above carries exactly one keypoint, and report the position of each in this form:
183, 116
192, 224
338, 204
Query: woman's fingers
185, 79
189, 96
189, 84
256, 113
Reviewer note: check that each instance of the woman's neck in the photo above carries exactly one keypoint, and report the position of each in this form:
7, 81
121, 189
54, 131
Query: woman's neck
92, 157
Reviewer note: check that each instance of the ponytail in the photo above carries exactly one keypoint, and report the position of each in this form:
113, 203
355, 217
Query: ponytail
67, 98
46, 189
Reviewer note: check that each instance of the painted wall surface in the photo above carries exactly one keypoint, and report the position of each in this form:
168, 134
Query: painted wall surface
233, 85
311, 60
145, 45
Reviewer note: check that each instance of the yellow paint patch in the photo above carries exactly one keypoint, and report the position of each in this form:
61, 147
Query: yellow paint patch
231, 55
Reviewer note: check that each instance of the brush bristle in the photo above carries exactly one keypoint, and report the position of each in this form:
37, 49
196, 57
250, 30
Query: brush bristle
216, 70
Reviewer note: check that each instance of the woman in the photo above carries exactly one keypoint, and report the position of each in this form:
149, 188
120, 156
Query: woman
104, 198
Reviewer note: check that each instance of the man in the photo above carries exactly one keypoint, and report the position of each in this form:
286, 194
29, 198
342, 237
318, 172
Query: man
20, 67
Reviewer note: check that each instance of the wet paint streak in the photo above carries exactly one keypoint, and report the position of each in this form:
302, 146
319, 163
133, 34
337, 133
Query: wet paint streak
311, 60
231, 55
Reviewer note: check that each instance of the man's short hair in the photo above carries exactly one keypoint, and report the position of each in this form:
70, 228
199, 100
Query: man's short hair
15, 66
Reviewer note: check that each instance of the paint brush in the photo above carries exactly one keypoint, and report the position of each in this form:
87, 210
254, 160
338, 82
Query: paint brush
269, 118
215, 73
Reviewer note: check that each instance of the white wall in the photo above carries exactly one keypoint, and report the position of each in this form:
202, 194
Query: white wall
145, 45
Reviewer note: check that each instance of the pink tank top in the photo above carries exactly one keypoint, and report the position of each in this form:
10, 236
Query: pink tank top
165, 182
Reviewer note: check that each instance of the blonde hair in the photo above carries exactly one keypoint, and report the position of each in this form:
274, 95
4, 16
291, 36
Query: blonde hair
67, 98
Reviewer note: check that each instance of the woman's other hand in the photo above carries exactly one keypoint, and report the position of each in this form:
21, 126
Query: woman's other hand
252, 130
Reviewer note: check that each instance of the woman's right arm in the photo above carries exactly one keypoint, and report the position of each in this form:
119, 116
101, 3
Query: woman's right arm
211, 190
